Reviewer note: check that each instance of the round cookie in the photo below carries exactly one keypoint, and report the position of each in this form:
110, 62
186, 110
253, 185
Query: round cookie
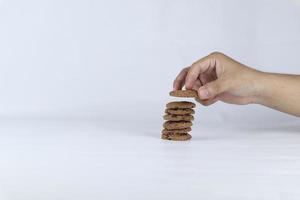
184, 93
169, 125
176, 137
180, 104
184, 130
185, 111
179, 117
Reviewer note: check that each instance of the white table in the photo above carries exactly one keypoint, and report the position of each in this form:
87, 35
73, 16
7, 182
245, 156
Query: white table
98, 159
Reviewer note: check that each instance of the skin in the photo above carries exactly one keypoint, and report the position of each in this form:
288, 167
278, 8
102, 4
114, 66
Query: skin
218, 77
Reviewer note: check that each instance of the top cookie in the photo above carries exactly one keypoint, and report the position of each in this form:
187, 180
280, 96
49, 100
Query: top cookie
184, 93
180, 104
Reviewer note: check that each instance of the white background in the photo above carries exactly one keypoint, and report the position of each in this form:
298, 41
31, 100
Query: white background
83, 87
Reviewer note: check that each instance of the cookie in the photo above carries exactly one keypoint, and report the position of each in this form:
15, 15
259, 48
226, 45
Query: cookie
176, 137
180, 104
184, 130
179, 117
177, 111
184, 93
169, 125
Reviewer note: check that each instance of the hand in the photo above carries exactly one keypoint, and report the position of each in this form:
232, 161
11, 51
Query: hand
218, 77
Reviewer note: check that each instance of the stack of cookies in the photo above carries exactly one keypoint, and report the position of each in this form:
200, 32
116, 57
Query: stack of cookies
179, 117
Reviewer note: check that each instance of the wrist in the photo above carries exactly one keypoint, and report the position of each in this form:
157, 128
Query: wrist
262, 87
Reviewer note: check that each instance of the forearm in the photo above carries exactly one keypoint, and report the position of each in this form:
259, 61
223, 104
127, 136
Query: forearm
280, 92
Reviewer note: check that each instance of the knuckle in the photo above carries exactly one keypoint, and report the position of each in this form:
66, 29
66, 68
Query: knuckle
206, 103
194, 63
216, 54
185, 69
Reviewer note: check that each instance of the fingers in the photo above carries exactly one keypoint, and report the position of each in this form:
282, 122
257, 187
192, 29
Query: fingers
197, 85
212, 89
196, 69
206, 78
207, 102
179, 81
203, 70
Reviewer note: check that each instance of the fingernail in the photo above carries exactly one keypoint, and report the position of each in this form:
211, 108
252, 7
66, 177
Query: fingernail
204, 93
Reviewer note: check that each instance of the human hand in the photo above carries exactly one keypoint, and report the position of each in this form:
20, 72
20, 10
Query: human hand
219, 77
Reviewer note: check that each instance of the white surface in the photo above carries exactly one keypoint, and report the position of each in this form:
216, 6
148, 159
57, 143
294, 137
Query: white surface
61, 159
125, 158
72, 128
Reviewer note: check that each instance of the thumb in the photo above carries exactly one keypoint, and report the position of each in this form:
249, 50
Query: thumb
212, 89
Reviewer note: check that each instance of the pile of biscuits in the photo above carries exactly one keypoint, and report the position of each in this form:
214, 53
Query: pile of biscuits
179, 117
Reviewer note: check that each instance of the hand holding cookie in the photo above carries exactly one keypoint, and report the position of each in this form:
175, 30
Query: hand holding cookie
218, 77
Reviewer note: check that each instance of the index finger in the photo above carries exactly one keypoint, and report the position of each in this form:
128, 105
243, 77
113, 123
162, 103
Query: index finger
196, 69
179, 81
